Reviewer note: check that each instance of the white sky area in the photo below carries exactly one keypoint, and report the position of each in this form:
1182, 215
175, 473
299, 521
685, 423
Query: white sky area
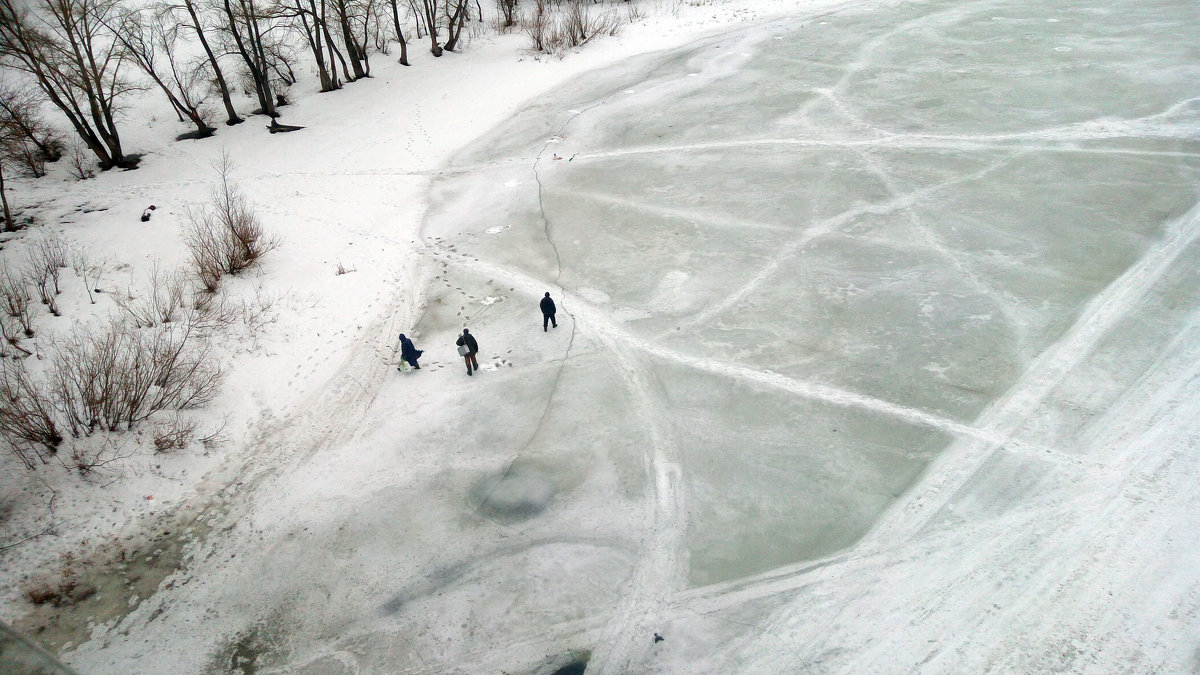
878, 350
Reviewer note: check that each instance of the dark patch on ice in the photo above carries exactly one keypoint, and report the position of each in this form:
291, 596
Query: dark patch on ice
520, 492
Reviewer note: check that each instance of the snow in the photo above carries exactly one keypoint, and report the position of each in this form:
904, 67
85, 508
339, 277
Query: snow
878, 341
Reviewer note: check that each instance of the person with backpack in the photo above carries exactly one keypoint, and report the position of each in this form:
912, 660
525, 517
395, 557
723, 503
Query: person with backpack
468, 347
409, 352
548, 312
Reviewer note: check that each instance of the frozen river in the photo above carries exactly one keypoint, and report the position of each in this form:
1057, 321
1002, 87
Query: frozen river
877, 352
799, 263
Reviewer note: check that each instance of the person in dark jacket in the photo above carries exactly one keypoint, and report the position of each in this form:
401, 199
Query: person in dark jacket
548, 312
409, 352
468, 340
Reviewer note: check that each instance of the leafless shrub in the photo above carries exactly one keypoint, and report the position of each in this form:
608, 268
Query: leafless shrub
258, 312
93, 456
11, 331
571, 24
342, 269
174, 434
207, 244
14, 301
115, 377
52, 253
538, 26
216, 436
89, 271
79, 162
27, 418
580, 25
225, 236
24, 134
161, 303
45, 261
37, 276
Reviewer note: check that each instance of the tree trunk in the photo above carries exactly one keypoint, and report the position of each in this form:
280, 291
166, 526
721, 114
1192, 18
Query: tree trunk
400, 33
314, 37
9, 224
249, 47
352, 48
231, 116
431, 7
334, 52
455, 24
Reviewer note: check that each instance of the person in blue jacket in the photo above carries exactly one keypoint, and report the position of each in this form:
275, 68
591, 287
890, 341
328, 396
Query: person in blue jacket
409, 352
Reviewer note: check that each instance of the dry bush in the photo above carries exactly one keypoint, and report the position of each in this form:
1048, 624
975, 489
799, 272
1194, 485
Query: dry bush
89, 271
115, 377
45, 261
225, 236
80, 162
38, 277
162, 303
27, 418
14, 303
174, 434
554, 31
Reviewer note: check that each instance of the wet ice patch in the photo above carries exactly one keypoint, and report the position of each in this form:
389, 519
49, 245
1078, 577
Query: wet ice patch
497, 229
519, 492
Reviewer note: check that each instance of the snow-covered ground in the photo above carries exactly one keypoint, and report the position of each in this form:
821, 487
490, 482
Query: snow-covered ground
878, 351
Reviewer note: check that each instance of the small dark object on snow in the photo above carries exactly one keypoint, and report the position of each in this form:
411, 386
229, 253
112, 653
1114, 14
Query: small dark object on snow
277, 128
658, 638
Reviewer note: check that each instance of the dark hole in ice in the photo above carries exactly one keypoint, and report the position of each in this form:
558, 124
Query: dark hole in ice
519, 492
577, 665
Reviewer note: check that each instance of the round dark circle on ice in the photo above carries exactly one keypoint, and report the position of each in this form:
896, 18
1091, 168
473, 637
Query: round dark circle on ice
519, 492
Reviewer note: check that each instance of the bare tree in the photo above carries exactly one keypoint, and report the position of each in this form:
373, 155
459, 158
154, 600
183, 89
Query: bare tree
310, 21
243, 25
149, 39
72, 56
10, 224
429, 12
508, 9
399, 31
194, 20
456, 13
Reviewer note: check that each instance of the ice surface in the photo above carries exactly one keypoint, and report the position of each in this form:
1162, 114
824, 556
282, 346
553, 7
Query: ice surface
856, 311
906, 205
815, 254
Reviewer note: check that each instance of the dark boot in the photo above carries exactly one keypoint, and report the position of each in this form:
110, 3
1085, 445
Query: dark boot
469, 371
416, 367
